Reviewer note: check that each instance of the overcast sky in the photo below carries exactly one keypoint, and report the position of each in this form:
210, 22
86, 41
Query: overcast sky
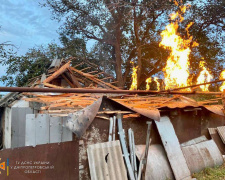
25, 24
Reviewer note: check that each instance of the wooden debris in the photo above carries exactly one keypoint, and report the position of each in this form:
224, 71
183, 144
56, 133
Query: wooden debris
114, 112
57, 73
51, 85
68, 81
74, 79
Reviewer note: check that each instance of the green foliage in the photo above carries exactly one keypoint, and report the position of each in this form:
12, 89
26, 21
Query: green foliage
19, 69
217, 173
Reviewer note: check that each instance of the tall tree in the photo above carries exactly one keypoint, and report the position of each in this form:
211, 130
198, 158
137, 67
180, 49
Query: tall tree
102, 21
129, 30
118, 24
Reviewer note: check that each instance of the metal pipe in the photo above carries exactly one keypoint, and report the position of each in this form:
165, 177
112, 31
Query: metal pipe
104, 91
196, 85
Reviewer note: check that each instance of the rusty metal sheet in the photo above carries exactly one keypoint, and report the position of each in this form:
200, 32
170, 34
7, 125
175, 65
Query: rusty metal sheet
217, 109
158, 167
221, 132
106, 161
173, 149
48, 161
202, 155
150, 113
79, 121
173, 105
194, 141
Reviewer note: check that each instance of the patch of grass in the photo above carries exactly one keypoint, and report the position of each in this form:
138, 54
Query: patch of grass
216, 173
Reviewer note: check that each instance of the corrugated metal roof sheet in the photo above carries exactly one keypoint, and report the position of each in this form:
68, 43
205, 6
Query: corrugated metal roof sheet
106, 161
202, 155
221, 131
217, 109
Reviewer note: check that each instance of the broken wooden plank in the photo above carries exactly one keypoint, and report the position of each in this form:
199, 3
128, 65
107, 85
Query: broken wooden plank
115, 112
74, 79
57, 73
92, 72
78, 65
173, 149
51, 85
96, 80
85, 69
107, 78
98, 74
68, 81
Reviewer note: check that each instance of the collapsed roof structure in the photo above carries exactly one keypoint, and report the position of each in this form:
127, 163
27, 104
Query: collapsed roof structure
182, 136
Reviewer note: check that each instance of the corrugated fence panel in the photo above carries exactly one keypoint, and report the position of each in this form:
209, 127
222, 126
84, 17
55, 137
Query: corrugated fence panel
43, 129
67, 135
18, 125
30, 138
106, 161
55, 129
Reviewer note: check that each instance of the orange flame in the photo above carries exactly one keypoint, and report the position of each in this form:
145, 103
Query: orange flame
149, 80
157, 83
222, 76
204, 77
134, 79
176, 72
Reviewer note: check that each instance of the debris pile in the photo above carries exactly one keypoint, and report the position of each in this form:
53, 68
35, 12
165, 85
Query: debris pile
119, 136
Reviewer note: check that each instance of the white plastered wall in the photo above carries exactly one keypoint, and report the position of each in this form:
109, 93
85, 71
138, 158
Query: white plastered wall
7, 129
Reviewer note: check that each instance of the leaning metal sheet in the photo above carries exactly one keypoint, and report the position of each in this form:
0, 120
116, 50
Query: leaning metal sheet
173, 149
158, 167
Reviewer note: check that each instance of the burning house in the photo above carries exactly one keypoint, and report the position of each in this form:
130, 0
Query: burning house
74, 123
105, 135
